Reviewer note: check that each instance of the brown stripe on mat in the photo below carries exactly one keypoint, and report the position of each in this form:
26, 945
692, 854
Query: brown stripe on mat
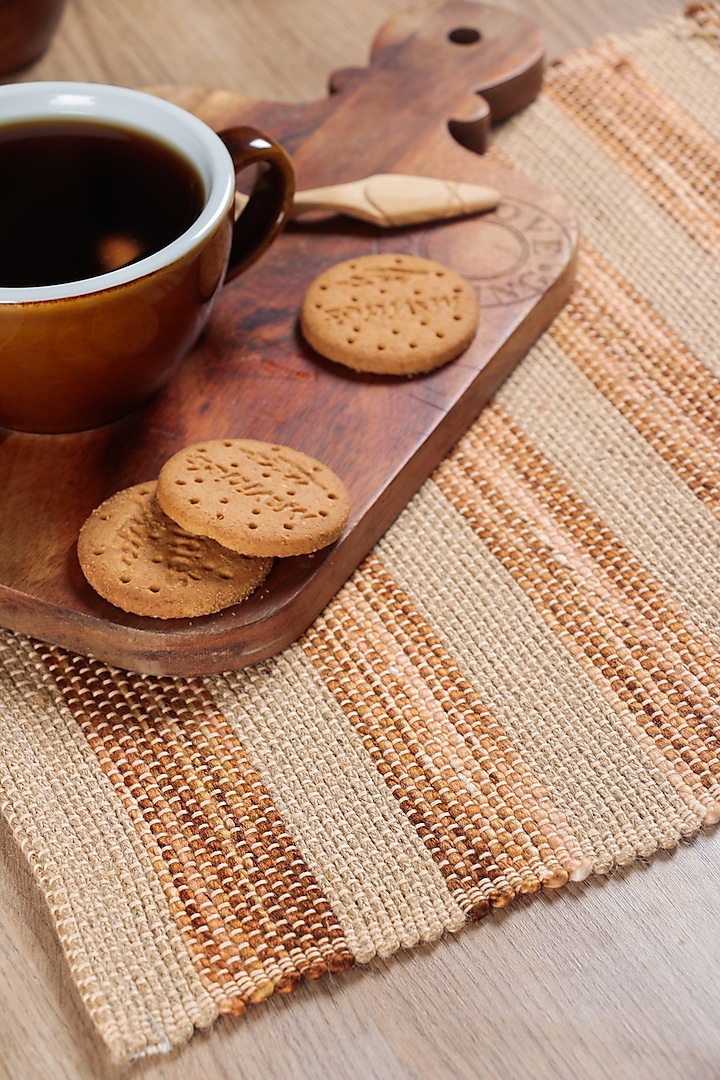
643, 130
706, 19
595, 596
249, 910
490, 825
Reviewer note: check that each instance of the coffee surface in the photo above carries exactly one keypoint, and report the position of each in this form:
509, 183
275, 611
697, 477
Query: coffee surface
78, 199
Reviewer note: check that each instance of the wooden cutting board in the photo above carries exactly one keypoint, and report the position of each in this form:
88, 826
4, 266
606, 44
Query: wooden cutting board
436, 80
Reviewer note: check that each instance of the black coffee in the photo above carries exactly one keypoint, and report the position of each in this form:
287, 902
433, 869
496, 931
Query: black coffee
79, 199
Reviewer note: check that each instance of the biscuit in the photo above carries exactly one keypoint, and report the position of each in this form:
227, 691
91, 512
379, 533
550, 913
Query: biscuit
389, 314
258, 498
135, 557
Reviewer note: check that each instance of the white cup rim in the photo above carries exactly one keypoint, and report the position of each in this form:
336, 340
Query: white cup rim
136, 110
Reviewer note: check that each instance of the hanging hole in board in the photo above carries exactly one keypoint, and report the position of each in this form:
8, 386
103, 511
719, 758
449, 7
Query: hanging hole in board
464, 35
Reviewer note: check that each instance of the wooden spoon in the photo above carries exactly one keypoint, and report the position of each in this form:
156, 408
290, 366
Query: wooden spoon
393, 199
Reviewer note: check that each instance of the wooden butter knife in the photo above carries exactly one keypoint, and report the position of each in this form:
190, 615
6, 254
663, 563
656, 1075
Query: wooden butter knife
394, 199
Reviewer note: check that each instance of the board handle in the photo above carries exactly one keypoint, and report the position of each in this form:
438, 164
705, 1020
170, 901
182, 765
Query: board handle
497, 57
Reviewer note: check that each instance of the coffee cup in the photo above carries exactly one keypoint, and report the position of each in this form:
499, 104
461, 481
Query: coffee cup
117, 230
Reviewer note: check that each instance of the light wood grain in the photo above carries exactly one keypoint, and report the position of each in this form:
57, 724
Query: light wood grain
613, 978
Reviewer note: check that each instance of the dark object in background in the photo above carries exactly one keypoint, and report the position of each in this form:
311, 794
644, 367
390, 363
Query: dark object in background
26, 30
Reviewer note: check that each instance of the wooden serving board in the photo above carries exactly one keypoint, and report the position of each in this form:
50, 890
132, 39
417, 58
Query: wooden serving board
423, 105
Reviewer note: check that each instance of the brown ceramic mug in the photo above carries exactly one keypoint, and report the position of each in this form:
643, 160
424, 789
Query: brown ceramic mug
26, 30
117, 229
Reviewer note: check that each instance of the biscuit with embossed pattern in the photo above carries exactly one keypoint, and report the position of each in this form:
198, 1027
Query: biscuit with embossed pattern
390, 314
140, 560
258, 498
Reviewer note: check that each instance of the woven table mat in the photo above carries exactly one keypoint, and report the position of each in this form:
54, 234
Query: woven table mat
519, 687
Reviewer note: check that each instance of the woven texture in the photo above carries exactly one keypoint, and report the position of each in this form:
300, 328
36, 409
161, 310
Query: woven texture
519, 686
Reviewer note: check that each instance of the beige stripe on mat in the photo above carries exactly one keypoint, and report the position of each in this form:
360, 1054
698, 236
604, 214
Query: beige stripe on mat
96, 872
385, 890
662, 53
645, 371
439, 749
618, 474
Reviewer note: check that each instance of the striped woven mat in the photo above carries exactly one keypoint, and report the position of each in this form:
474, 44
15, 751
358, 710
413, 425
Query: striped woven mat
519, 687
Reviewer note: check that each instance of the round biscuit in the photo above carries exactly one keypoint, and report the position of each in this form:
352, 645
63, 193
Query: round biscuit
258, 498
140, 560
389, 314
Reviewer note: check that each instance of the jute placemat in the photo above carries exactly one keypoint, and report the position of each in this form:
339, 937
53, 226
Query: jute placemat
517, 688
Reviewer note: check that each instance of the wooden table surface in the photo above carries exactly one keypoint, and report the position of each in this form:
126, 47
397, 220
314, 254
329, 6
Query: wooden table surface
613, 978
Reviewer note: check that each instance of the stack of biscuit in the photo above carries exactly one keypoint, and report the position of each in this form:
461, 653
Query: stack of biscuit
204, 535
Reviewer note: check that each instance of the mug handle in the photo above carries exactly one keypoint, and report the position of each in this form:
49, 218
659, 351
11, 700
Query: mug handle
268, 207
